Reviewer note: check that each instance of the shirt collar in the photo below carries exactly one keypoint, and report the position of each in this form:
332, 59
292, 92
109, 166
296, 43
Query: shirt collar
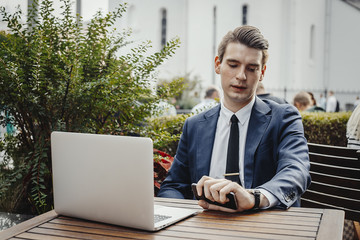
243, 114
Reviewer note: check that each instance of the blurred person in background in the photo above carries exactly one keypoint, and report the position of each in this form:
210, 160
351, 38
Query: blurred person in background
332, 104
262, 94
304, 103
322, 101
313, 100
212, 98
353, 129
357, 102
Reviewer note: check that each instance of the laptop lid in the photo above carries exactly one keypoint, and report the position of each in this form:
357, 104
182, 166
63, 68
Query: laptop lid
104, 178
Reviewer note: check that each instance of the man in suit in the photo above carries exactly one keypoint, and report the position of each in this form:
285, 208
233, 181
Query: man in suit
273, 163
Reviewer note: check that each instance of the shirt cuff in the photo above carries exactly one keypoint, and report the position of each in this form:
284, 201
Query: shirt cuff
271, 198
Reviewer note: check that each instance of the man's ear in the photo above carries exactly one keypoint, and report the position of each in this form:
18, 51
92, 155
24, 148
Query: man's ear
217, 65
262, 72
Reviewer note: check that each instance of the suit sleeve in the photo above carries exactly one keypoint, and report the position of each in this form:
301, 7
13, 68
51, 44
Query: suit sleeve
292, 176
178, 182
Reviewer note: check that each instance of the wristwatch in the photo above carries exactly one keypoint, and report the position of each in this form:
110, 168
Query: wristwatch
256, 194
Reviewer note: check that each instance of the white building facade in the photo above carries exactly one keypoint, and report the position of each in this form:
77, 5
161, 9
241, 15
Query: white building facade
314, 44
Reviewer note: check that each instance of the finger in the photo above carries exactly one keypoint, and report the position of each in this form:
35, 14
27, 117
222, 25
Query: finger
219, 208
216, 188
203, 204
210, 193
200, 185
227, 188
207, 192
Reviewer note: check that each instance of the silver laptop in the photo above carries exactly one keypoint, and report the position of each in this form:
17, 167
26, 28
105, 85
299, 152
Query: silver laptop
108, 179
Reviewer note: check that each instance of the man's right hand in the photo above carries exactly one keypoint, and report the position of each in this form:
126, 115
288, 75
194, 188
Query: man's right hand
217, 189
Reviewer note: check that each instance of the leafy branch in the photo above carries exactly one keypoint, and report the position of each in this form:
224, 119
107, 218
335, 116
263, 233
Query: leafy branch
58, 74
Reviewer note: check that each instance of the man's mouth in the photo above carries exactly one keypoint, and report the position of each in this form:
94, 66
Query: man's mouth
241, 88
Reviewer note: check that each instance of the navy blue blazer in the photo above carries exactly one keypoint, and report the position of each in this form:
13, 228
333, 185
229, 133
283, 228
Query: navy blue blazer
276, 153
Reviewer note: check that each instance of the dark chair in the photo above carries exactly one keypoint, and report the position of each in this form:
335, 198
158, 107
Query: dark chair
335, 173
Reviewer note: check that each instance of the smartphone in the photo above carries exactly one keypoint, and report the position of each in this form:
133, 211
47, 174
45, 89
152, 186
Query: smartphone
230, 204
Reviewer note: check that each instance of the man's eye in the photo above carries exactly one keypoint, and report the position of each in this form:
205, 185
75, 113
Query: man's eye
233, 65
251, 69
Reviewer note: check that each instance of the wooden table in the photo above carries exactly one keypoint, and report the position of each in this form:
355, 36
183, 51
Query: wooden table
295, 223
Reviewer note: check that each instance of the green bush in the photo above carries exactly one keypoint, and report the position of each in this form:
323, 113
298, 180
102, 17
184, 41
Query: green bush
165, 132
57, 74
326, 128
322, 128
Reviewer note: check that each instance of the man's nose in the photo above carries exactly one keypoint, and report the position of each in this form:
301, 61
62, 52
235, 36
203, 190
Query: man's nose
241, 74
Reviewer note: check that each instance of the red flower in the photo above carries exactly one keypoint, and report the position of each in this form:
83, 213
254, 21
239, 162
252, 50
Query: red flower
162, 164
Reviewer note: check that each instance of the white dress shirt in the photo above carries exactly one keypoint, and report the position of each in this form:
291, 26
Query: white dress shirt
218, 158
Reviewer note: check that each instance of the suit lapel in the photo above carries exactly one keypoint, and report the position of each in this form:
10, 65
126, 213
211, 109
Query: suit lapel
205, 141
258, 122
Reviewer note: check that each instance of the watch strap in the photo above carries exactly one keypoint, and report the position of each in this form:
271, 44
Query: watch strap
256, 194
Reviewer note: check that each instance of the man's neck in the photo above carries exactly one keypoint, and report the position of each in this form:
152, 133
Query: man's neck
236, 106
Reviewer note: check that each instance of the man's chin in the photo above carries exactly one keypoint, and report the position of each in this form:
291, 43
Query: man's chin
241, 98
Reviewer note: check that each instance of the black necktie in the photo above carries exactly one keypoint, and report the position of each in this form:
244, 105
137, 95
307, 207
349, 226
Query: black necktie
232, 163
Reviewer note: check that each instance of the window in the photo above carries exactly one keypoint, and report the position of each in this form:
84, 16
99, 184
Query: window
32, 11
130, 16
163, 27
312, 41
214, 40
244, 14
78, 10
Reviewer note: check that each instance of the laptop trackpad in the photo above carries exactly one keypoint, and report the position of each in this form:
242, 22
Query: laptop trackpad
169, 215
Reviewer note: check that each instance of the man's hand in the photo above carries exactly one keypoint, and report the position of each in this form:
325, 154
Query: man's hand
217, 189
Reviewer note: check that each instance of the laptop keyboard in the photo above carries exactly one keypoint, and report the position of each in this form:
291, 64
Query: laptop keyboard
158, 218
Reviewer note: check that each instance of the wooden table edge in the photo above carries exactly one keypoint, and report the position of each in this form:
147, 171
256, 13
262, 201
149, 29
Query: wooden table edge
330, 220
24, 226
175, 200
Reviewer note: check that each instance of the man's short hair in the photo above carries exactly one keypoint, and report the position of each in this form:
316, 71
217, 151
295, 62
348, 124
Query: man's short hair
303, 98
247, 35
210, 91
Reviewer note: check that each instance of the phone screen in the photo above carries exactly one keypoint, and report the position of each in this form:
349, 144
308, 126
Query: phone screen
230, 204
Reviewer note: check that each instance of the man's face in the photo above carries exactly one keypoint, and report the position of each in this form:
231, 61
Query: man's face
240, 73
